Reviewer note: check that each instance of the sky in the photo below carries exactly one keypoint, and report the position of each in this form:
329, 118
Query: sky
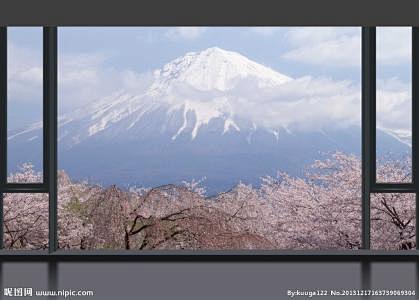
96, 62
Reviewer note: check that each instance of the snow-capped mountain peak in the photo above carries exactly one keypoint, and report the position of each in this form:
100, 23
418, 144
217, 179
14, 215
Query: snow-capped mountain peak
214, 69
213, 113
186, 94
194, 88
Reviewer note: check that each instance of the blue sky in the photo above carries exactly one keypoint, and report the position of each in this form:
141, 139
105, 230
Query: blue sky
145, 49
95, 62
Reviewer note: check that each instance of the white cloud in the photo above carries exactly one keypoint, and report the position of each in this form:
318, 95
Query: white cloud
185, 33
318, 103
341, 47
303, 103
394, 45
300, 36
337, 47
340, 52
86, 78
82, 78
394, 105
24, 74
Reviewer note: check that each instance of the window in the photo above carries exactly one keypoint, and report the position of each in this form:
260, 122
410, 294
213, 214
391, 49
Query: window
197, 146
24, 101
394, 103
393, 221
211, 141
25, 221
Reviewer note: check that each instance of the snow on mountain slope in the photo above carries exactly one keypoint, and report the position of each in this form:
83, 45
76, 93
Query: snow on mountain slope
193, 89
213, 114
403, 136
214, 69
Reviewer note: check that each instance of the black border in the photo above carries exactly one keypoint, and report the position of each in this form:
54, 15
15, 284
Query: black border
209, 13
210, 255
49, 185
3, 120
415, 119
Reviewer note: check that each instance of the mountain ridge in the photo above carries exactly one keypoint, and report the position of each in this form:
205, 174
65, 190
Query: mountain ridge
194, 120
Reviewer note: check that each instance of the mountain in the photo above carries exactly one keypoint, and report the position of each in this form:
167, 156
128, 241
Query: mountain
195, 120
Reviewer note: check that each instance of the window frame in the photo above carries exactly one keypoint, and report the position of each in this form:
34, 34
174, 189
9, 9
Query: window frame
49, 184
14, 187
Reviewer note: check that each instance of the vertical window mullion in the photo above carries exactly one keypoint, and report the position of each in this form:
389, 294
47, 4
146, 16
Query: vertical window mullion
415, 122
368, 128
50, 129
3, 123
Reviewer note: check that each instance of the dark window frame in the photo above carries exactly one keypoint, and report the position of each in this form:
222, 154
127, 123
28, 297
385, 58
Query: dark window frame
13, 187
49, 184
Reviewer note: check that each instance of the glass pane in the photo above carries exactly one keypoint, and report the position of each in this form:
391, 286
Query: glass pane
394, 103
209, 138
25, 92
393, 221
25, 221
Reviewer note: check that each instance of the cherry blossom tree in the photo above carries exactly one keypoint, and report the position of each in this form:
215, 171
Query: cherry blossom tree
321, 210
393, 216
25, 215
